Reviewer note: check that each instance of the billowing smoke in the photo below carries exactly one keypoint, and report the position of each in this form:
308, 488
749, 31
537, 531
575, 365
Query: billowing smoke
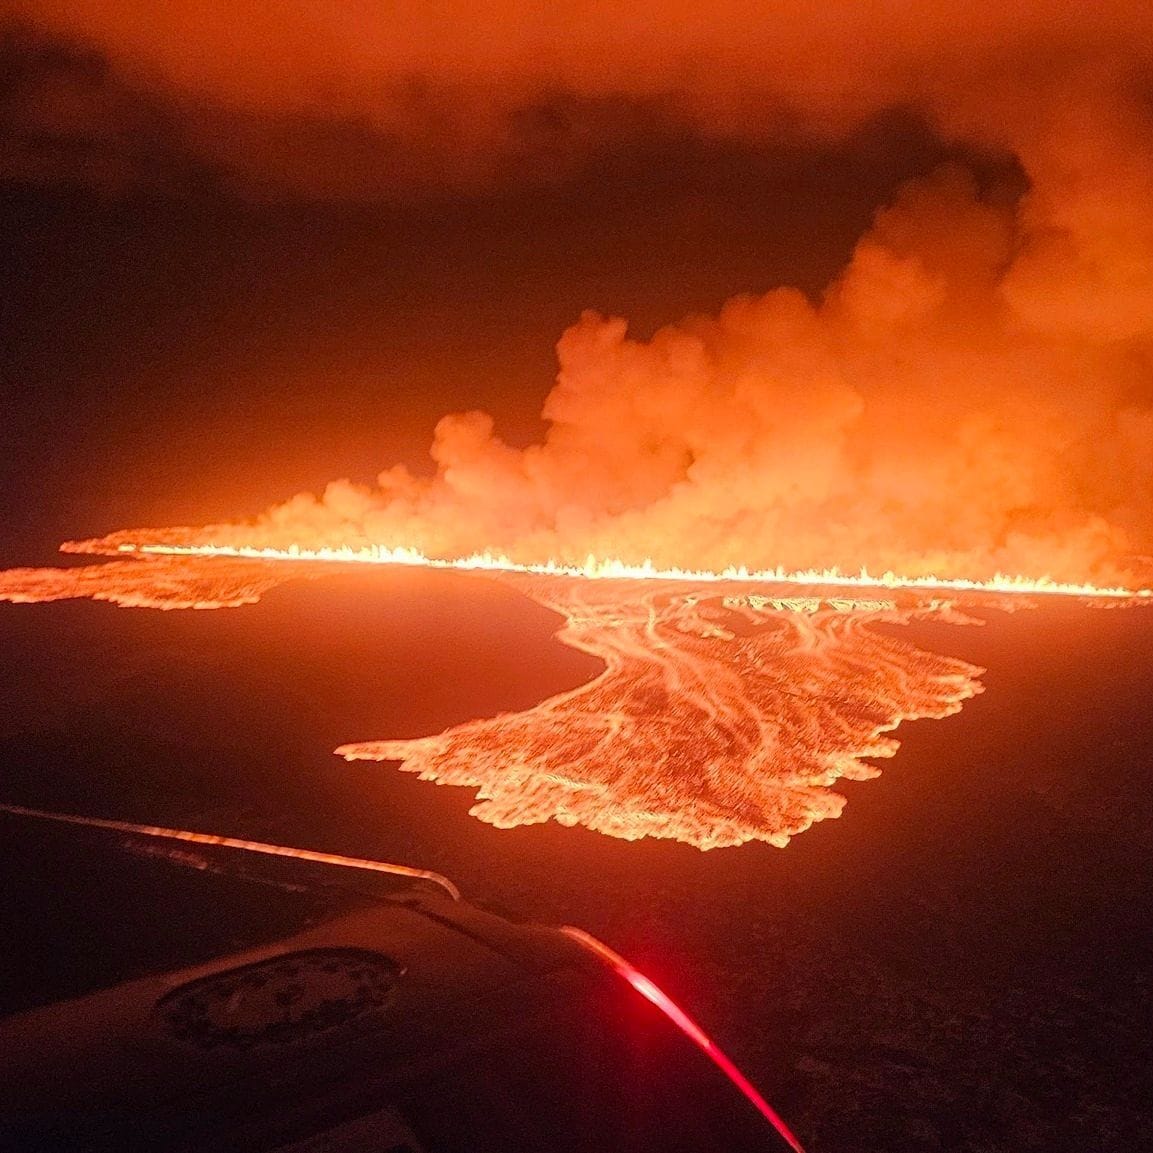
957, 403
974, 392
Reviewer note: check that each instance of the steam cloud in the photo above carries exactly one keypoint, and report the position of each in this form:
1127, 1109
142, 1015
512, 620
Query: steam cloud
974, 392
958, 403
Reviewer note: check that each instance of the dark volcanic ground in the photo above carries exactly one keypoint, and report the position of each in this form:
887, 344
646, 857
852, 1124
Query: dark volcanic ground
960, 962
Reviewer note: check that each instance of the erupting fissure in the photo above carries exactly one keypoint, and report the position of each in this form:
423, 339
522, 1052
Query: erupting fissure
612, 569
718, 718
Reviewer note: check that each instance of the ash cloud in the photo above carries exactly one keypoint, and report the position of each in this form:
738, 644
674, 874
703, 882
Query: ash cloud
356, 99
975, 391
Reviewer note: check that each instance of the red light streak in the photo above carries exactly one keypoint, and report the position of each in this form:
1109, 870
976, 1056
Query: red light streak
651, 992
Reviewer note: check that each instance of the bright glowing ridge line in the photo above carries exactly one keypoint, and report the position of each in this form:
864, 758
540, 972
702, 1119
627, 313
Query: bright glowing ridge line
610, 569
687, 1025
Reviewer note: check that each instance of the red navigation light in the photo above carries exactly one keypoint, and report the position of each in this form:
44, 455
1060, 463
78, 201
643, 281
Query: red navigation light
687, 1025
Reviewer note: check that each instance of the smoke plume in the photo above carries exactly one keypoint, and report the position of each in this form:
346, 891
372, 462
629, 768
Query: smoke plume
356, 98
975, 390
957, 403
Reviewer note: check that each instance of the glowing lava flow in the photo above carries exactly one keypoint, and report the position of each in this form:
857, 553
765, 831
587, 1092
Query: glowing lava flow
710, 724
155, 583
728, 707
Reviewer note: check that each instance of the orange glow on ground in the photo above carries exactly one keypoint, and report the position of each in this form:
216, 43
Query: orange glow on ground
729, 706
